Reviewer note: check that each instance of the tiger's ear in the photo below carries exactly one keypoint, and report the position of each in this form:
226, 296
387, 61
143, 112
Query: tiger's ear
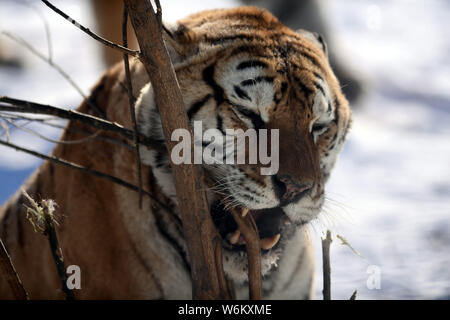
181, 42
315, 37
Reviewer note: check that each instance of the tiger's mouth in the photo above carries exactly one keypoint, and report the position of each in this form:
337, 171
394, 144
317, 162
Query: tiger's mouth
271, 224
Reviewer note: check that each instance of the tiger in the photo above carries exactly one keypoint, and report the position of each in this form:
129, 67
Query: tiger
236, 68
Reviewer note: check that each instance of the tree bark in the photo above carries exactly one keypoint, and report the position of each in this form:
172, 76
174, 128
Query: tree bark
326, 266
199, 231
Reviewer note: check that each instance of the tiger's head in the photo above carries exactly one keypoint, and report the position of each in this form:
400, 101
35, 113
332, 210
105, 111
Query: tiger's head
242, 69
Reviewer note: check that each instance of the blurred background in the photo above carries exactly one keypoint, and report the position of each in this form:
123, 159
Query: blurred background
389, 195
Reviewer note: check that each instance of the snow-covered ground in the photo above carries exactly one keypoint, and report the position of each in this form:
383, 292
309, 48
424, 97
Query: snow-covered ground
389, 195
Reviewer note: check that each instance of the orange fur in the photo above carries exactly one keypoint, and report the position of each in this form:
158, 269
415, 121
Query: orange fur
102, 230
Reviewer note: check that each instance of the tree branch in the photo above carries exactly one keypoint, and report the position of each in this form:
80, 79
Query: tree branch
46, 122
198, 228
22, 106
88, 171
248, 228
326, 266
108, 43
131, 101
60, 70
42, 217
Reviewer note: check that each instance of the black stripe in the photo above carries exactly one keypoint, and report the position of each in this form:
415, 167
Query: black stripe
162, 160
243, 37
208, 77
308, 54
251, 64
336, 113
148, 267
171, 240
220, 124
241, 93
318, 76
252, 82
197, 105
314, 60
175, 222
320, 88
306, 91
336, 122
260, 51
300, 68
255, 118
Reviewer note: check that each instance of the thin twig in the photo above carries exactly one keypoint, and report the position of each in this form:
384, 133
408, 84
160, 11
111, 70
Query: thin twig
42, 217
6, 130
23, 106
86, 170
159, 14
52, 64
326, 266
46, 26
57, 254
108, 43
33, 132
131, 101
46, 122
346, 243
8, 271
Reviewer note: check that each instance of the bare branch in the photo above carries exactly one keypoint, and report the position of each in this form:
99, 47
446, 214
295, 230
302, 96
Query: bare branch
198, 228
51, 63
248, 228
46, 122
33, 132
43, 216
131, 101
225, 292
88, 171
46, 26
23, 106
159, 13
8, 271
344, 242
108, 43
326, 266
6, 130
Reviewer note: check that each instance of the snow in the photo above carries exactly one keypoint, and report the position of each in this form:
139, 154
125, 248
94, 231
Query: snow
389, 194
392, 180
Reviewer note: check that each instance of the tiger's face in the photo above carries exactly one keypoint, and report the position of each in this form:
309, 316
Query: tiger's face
242, 69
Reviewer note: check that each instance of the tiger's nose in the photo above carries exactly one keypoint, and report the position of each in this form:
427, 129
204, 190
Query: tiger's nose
289, 190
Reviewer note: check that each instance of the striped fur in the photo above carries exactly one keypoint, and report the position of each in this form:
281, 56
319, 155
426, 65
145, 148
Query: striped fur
237, 68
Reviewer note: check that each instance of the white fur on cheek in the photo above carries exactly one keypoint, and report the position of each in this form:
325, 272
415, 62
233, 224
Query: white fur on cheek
150, 125
260, 94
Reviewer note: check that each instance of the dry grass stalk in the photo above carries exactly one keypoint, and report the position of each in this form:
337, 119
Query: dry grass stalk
42, 217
